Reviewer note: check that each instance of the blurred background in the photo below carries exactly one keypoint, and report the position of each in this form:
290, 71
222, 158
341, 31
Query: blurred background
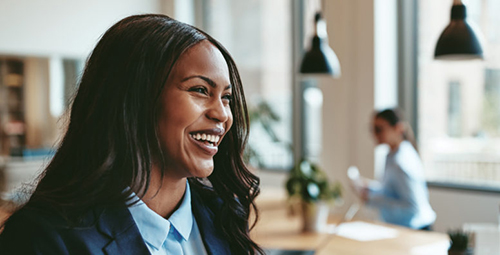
386, 53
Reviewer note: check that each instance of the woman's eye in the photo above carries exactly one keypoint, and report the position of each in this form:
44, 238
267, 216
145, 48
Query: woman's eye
201, 90
228, 98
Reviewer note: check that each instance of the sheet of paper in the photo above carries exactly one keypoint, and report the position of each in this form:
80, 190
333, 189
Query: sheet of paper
433, 248
362, 231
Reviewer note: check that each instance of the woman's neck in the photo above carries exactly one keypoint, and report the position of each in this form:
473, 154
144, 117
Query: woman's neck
164, 196
395, 145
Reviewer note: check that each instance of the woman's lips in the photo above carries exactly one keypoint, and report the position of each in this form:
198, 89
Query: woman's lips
205, 146
208, 139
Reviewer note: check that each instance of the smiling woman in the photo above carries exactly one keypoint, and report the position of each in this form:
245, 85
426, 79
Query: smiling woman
151, 162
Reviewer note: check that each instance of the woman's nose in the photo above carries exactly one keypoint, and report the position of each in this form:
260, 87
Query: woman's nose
217, 111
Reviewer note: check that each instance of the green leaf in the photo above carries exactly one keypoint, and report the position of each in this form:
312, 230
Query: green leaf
313, 190
305, 168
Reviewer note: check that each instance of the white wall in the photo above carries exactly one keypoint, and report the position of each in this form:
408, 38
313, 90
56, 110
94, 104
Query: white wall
348, 101
455, 207
68, 28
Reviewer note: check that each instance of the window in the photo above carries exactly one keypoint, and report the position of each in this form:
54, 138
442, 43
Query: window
459, 101
257, 33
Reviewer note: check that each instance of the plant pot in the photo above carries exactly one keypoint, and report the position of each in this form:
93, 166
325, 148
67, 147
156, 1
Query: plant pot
314, 216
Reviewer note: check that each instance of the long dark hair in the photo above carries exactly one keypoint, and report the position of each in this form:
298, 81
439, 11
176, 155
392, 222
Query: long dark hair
394, 117
112, 137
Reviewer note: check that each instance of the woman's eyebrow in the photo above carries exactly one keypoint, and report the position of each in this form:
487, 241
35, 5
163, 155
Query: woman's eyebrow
207, 80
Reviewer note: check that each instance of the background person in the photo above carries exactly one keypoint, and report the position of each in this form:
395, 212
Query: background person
401, 196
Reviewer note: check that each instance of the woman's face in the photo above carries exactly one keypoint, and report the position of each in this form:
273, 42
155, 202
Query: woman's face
195, 113
385, 133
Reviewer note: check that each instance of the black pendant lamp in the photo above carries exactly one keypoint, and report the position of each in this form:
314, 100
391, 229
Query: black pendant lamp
320, 58
458, 40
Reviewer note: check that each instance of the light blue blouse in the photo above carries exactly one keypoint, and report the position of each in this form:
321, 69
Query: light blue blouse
402, 198
177, 235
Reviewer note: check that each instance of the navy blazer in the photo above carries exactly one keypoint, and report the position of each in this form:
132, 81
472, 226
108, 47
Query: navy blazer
103, 231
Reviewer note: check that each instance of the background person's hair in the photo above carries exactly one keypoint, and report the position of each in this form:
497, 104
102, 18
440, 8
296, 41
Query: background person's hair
112, 137
394, 117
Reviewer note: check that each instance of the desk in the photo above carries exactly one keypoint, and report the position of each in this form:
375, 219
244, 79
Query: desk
276, 229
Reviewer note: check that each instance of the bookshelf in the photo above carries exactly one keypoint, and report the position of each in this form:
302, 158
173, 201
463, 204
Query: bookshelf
12, 117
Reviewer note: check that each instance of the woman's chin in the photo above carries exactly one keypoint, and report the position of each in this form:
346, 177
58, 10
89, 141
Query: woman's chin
203, 169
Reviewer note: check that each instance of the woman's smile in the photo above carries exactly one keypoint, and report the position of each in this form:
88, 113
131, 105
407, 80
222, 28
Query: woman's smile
207, 140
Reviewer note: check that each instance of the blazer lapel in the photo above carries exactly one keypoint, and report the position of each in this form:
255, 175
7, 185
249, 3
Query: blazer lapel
118, 224
212, 237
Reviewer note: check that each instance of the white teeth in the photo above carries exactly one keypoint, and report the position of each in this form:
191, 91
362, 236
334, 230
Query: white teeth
204, 137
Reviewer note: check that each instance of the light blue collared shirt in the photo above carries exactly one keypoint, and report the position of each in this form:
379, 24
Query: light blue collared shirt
402, 198
179, 235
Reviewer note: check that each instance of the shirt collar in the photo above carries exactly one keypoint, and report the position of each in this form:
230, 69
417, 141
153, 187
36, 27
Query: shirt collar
154, 228
182, 218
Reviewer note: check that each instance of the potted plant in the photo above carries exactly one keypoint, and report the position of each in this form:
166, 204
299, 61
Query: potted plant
308, 185
459, 242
